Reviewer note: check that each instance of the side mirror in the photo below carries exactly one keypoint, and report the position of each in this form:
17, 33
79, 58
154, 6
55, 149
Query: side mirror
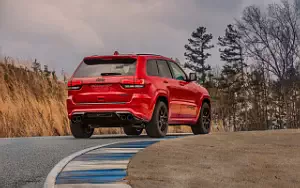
193, 77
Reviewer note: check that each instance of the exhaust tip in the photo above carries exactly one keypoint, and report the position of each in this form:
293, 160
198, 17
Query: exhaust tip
123, 117
129, 117
76, 119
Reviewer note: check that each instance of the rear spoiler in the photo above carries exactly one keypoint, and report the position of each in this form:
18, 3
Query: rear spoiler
109, 57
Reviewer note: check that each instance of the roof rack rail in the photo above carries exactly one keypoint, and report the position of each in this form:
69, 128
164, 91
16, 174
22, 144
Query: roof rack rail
149, 54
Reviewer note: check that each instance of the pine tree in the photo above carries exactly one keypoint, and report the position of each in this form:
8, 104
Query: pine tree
36, 66
46, 71
232, 49
232, 75
54, 75
196, 54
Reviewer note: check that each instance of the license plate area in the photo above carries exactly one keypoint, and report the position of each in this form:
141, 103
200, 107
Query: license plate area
99, 115
101, 87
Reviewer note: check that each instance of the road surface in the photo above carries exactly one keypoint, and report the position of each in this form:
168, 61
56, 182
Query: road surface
25, 162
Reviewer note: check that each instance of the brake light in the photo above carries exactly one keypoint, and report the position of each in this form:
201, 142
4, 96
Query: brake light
74, 84
136, 83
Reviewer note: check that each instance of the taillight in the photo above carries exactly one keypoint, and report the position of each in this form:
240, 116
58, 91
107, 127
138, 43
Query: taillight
135, 83
74, 84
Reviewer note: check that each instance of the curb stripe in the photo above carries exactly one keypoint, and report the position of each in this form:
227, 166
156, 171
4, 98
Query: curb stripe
92, 163
99, 172
106, 156
116, 172
115, 150
50, 180
97, 167
101, 166
93, 186
90, 179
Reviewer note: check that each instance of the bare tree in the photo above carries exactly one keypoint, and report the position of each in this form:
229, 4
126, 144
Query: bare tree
272, 39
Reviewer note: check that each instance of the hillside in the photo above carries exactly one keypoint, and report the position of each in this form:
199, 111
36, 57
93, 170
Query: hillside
32, 103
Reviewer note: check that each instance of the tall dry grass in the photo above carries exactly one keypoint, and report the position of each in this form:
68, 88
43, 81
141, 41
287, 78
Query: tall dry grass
32, 104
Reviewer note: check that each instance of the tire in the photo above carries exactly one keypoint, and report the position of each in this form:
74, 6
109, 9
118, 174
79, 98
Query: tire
158, 126
132, 131
80, 130
203, 125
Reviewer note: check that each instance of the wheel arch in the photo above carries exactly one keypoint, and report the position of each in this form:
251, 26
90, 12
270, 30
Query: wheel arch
207, 100
161, 96
163, 99
203, 100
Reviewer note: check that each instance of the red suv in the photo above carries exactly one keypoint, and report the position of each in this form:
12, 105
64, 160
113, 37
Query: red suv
136, 92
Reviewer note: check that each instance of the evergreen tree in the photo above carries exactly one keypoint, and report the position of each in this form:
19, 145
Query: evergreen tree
46, 71
232, 50
196, 54
54, 75
232, 80
36, 66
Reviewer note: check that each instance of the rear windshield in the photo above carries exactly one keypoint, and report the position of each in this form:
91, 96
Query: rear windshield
100, 67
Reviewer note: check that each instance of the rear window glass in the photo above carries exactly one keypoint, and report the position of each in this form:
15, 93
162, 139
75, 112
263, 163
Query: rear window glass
100, 67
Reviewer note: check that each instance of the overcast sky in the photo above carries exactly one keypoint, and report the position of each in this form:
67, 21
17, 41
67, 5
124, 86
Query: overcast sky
61, 32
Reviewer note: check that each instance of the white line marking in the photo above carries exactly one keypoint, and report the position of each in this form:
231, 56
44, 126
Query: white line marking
90, 163
50, 180
114, 150
125, 148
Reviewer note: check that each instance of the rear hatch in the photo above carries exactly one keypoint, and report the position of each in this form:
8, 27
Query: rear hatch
109, 79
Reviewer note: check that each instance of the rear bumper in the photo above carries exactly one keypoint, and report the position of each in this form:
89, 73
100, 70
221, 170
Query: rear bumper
139, 107
106, 119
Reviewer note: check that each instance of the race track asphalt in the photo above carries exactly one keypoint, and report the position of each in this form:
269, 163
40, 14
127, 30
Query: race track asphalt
26, 162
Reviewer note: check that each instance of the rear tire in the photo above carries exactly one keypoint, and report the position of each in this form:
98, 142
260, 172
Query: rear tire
132, 131
80, 130
203, 125
158, 126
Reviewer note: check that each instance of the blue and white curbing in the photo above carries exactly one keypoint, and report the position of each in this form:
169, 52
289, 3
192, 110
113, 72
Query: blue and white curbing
102, 166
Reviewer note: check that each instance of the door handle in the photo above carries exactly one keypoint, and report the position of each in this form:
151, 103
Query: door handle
165, 81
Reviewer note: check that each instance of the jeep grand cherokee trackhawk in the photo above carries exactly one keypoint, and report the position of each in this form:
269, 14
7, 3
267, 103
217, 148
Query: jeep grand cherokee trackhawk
136, 92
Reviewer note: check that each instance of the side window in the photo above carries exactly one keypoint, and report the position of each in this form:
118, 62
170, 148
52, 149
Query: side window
163, 68
177, 71
152, 69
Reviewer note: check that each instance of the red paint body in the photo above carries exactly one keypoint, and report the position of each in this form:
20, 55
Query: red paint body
184, 98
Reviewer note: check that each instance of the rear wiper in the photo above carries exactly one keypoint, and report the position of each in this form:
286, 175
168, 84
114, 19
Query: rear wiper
110, 73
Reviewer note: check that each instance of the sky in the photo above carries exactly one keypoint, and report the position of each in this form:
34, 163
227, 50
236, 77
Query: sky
61, 32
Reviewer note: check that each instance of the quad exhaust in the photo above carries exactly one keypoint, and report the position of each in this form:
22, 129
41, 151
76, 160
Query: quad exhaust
76, 119
129, 117
123, 117
126, 116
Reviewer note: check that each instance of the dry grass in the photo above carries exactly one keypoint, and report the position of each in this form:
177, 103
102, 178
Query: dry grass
33, 105
30, 103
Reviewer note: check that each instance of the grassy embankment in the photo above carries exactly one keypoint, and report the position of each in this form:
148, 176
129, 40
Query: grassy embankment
33, 105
